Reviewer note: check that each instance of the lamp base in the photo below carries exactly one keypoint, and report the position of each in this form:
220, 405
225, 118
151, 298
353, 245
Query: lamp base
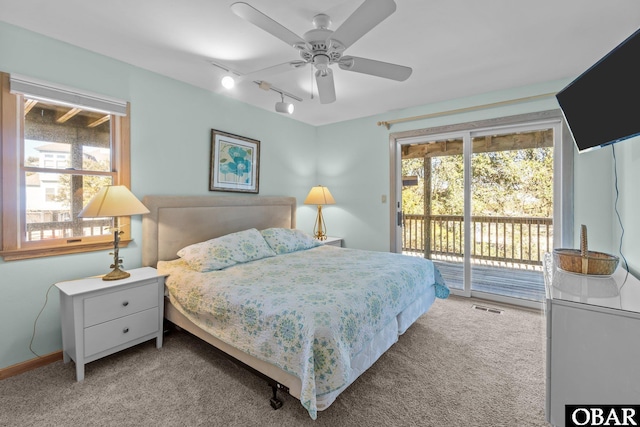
320, 236
320, 230
116, 274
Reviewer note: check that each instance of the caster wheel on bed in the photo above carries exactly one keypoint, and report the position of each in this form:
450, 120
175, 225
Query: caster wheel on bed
275, 403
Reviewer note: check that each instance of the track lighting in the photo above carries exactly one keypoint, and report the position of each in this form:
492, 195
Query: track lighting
284, 107
229, 78
281, 107
228, 81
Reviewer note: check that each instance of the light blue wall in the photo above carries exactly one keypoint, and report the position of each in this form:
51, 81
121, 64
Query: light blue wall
170, 145
171, 124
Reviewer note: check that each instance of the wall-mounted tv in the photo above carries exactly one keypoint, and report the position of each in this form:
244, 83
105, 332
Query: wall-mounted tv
602, 105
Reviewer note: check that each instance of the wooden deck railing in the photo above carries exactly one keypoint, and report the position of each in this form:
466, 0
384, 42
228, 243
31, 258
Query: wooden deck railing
64, 229
517, 240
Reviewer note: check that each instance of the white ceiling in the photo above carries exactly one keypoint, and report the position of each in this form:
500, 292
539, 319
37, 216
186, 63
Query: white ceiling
456, 48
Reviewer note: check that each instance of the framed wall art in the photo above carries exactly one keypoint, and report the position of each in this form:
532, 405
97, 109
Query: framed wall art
235, 163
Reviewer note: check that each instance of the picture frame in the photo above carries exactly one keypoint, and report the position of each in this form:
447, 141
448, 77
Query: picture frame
235, 163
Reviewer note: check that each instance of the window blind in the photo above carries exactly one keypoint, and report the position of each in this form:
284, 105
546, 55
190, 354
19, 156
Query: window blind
58, 94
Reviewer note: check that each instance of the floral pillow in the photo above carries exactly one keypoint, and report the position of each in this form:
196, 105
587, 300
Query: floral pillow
285, 240
225, 251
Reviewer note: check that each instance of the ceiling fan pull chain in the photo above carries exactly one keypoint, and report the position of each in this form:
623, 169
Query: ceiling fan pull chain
311, 68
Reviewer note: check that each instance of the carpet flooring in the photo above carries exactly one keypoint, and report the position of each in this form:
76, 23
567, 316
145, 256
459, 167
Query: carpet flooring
456, 366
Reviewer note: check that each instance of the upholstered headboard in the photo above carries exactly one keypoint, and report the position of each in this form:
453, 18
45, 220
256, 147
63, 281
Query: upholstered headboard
177, 221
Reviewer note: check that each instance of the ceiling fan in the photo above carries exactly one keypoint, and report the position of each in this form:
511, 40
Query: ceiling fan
323, 47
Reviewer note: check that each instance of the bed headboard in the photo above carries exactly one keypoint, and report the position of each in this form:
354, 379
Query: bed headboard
177, 221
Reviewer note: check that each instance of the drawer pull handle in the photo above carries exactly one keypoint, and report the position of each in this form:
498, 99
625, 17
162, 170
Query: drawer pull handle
125, 330
125, 303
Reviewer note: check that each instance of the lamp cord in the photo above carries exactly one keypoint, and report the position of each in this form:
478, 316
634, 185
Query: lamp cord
33, 335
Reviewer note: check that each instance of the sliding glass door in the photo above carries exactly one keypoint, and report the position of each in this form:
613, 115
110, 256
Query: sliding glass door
511, 210
433, 201
480, 204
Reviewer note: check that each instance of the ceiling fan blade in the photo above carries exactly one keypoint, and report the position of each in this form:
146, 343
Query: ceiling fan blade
259, 19
375, 68
275, 69
326, 88
368, 15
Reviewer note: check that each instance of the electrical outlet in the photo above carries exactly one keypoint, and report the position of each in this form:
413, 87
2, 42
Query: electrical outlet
384, 198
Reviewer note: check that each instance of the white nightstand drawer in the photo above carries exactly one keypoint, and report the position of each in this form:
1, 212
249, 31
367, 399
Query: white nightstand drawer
110, 306
119, 331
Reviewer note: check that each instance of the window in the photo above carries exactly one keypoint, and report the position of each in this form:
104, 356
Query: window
59, 147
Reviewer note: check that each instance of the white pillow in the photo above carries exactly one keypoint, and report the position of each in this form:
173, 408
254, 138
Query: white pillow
225, 251
285, 240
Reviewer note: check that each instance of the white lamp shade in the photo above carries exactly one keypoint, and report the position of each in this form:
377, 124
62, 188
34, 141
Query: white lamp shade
113, 200
319, 195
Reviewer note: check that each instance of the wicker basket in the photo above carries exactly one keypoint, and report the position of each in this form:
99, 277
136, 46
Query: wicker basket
584, 261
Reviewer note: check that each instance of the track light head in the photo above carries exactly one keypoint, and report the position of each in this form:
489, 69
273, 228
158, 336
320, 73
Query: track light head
228, 82
284, 107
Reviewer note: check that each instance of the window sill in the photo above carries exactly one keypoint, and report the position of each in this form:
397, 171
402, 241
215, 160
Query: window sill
20, 254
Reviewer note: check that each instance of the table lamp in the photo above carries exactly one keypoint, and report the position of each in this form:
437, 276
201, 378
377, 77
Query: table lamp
319, 195
115, 201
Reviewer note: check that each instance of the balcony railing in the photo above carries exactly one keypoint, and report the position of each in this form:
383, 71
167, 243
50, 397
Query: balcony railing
66, 229
517, 241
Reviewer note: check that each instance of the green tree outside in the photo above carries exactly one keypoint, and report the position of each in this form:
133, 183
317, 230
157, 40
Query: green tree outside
504, 183
513, 183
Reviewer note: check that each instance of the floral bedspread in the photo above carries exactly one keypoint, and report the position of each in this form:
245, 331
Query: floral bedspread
308, 312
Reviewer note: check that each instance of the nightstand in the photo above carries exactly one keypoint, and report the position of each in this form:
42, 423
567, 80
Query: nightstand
333, 241
103, 317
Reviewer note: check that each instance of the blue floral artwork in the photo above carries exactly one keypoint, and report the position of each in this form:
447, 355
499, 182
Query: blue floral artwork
235, 166
234, 163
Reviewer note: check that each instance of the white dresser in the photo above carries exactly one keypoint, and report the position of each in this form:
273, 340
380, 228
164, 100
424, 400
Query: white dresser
102, 317
593, 340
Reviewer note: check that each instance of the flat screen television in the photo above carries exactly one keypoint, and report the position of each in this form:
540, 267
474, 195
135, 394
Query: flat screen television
602, 105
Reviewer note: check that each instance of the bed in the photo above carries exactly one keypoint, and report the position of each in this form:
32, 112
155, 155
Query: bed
309, 318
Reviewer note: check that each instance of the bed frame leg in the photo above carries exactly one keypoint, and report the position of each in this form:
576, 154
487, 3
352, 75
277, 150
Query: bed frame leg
275, 402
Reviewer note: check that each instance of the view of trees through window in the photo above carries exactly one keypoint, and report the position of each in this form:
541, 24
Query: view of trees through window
511, 198
516, 182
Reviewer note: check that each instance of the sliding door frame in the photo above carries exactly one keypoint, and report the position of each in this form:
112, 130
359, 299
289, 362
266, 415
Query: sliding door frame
562, 186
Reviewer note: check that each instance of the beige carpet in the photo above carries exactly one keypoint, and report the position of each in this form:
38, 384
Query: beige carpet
456, 366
